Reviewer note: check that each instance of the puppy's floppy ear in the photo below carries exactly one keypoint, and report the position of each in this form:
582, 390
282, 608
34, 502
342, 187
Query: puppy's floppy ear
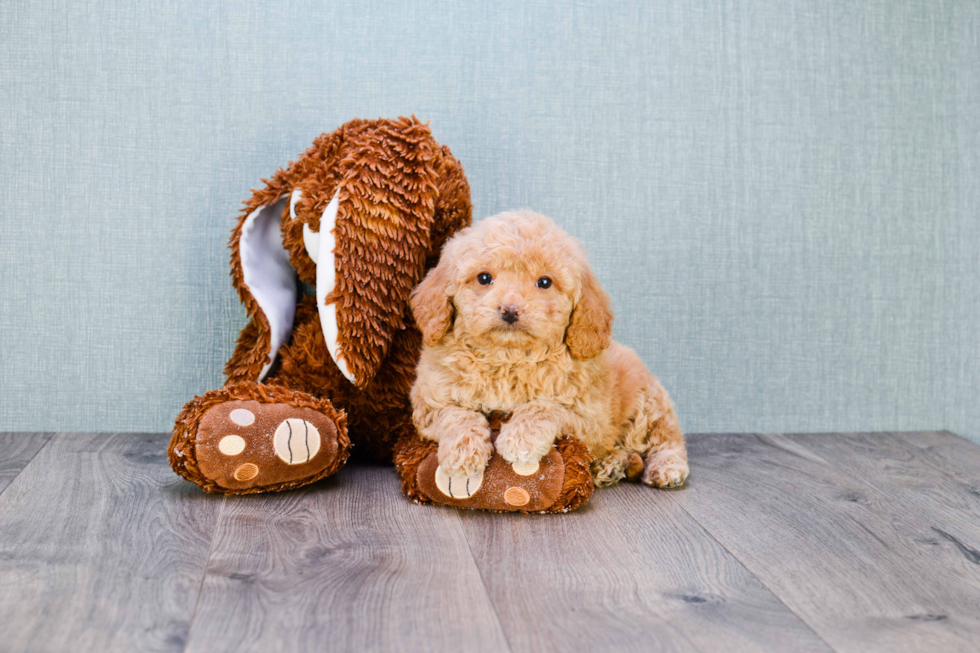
432, 305
590, 326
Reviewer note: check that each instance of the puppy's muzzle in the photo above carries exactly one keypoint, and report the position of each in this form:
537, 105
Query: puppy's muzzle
509, 314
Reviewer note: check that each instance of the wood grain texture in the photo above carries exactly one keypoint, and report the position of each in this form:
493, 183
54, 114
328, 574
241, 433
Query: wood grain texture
630, 571
947, 451
860, 569
847, 542
348, 564
103, 547
920, 484
16, 450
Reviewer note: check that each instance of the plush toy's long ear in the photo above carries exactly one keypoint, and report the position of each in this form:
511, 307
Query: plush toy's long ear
266, 283
372, 242
268, 274
432, 305
590, 326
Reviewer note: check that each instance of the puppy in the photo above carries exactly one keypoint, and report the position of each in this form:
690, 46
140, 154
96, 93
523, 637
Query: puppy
514, 320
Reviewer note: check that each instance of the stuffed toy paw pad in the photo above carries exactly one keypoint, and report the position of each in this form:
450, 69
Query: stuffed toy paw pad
559, 482
502, 486
242, 445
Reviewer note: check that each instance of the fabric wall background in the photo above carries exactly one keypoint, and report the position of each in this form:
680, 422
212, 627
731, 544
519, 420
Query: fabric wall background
782, 197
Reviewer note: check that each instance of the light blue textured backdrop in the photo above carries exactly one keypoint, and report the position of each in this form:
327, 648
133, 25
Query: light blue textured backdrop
782, 197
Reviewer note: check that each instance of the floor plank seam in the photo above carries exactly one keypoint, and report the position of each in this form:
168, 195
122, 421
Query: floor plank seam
207, 568
751, 573
483, 582
28, 463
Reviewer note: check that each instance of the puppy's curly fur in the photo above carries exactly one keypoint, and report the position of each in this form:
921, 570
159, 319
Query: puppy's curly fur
514, 320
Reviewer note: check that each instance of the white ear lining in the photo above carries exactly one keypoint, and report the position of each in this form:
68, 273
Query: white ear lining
269, 275
311, 240
326, 276
326, 279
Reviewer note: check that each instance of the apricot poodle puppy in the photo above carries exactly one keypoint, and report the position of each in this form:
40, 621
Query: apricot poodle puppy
514, 320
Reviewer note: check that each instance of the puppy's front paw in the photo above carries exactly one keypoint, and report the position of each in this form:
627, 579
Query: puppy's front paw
465, 454
523, 443
666, 468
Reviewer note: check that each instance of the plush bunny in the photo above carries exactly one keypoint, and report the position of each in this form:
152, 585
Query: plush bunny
360, 218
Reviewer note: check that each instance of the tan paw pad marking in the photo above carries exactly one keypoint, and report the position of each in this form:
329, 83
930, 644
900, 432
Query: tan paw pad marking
296, 441
231, 445
517, 496
526, 469
246, 472
458, 487
242, 417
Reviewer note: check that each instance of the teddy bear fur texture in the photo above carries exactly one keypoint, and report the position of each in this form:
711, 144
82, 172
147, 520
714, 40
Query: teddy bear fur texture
401, 195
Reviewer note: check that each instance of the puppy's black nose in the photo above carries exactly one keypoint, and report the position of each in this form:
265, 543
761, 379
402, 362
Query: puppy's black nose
509, 313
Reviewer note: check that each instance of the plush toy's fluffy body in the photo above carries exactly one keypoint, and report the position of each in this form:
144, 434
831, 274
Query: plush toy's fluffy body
514, 320
382, 196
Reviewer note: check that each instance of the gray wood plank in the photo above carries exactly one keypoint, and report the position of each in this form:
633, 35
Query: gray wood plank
103, 547
630, 571
348, 564
16, 450
919, 484
863, 573
956, 455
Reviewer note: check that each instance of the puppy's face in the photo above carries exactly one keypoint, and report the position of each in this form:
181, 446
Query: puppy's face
511, 297
515, 280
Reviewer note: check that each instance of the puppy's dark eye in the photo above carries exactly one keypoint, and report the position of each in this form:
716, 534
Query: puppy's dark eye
484, 278
544, 283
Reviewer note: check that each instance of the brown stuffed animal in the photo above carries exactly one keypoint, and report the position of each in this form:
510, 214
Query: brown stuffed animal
361, 217
560, 482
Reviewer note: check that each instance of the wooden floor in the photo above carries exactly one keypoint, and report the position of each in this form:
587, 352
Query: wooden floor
846, 542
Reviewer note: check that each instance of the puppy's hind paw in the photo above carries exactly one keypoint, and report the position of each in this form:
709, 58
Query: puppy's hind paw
666, 477
666, 468
611, 469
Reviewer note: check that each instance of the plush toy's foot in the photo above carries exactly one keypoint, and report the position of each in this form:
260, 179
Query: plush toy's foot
560, 482
248, 438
